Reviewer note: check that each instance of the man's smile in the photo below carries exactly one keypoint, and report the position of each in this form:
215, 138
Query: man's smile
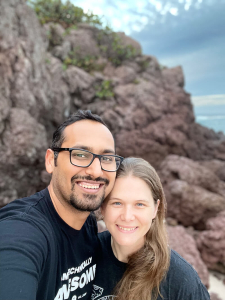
90, 187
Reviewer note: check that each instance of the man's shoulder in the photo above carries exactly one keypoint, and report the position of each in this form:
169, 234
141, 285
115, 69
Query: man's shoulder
26, 210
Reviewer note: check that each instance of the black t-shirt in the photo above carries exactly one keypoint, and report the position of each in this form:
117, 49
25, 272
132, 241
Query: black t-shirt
181, 282
42, 257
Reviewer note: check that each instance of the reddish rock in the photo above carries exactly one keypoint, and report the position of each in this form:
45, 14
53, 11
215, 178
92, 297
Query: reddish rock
184, 244
216, 166
214, 296
173, 77
125, 74
128, 41
22, 151
78, 79
194, 193
83, 43
211, 243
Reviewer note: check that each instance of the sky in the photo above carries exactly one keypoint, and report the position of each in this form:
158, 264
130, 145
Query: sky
190, 33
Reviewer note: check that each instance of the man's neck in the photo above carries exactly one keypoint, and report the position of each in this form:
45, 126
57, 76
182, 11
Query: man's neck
69, 214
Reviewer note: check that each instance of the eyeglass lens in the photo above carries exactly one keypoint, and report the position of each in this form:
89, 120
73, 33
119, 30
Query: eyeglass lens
83, 159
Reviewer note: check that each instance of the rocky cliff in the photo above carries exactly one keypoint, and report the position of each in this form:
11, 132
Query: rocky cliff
48, 72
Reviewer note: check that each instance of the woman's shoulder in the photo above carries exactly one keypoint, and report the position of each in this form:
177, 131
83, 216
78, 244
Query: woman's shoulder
182, 281
180, 269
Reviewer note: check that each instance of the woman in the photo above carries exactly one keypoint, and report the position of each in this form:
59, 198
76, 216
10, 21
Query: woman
135, 262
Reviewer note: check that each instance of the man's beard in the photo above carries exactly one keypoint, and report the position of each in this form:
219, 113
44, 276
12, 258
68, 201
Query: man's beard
83, 205
88, 202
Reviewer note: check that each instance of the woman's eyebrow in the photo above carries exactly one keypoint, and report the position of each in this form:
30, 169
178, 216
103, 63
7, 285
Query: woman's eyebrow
114, 199
142, 200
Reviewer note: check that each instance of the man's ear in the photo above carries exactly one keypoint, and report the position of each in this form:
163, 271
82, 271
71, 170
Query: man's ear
49, 161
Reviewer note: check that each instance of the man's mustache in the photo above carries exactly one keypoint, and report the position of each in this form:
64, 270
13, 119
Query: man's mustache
83, 178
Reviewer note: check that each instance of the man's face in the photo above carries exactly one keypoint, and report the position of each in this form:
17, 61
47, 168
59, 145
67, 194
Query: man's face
84, 188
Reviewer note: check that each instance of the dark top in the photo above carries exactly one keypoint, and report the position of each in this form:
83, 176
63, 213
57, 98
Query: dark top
41, 257
181, 282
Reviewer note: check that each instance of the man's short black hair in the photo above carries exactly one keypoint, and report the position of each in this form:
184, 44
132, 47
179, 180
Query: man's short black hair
58, 135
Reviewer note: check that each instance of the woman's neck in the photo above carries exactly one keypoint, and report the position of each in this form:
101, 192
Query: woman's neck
123, 252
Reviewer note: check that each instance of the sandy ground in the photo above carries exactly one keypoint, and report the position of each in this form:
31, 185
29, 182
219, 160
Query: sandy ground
216, 285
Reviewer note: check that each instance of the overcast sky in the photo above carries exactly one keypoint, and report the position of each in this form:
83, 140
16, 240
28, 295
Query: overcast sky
190, 33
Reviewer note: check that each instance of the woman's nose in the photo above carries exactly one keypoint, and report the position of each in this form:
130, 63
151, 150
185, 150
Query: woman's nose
127, 214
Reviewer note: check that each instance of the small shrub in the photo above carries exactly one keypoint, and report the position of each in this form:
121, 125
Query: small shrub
67, 31
87, 63
136, 81
47, 61
112, 47
162, 67
105, 90
66, 14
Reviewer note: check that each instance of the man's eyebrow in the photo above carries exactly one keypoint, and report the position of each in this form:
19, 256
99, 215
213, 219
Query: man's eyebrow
105, 151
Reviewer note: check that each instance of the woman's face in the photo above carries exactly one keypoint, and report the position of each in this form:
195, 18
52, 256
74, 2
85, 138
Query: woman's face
128, 211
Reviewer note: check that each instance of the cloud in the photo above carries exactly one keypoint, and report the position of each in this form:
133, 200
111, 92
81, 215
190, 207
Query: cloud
155, 11
209, 100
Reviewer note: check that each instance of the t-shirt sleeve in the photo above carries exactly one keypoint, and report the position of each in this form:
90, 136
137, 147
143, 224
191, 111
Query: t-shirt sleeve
23, 250
183, 282
189, 290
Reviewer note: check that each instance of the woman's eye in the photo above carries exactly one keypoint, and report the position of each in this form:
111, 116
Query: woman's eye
116, 203
140, 204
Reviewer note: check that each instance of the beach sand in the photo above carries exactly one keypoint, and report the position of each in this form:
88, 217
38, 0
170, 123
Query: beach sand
217, 285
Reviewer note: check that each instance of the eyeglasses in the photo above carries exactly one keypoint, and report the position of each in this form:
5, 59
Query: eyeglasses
84, 158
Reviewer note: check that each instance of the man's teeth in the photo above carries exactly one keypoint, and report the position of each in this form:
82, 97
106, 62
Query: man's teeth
89, 186
127, 229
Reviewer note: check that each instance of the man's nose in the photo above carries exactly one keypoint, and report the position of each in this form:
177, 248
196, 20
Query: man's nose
127, 214
94, 169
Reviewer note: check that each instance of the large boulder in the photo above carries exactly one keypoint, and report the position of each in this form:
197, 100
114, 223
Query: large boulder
211, 243
22, 150
185, 245
216, 166
194, 193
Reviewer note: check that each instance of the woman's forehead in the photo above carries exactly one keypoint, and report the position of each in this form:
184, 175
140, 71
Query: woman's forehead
131, 188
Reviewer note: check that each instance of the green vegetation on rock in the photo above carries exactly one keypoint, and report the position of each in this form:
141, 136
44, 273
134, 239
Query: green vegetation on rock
66, 14
87, 63
105, 90
113, 48
111, 45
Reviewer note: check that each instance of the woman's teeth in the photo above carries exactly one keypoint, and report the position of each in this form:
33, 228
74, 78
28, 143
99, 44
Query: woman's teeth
127, 229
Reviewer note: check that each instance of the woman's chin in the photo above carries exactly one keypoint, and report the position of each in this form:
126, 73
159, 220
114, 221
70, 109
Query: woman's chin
127, 242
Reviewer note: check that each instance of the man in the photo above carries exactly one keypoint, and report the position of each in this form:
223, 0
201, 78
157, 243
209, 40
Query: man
47, 241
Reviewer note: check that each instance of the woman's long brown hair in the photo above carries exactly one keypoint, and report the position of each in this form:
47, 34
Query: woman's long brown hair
147, 267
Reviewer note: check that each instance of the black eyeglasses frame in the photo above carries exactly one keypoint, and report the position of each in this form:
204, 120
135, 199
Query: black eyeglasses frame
94, 156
